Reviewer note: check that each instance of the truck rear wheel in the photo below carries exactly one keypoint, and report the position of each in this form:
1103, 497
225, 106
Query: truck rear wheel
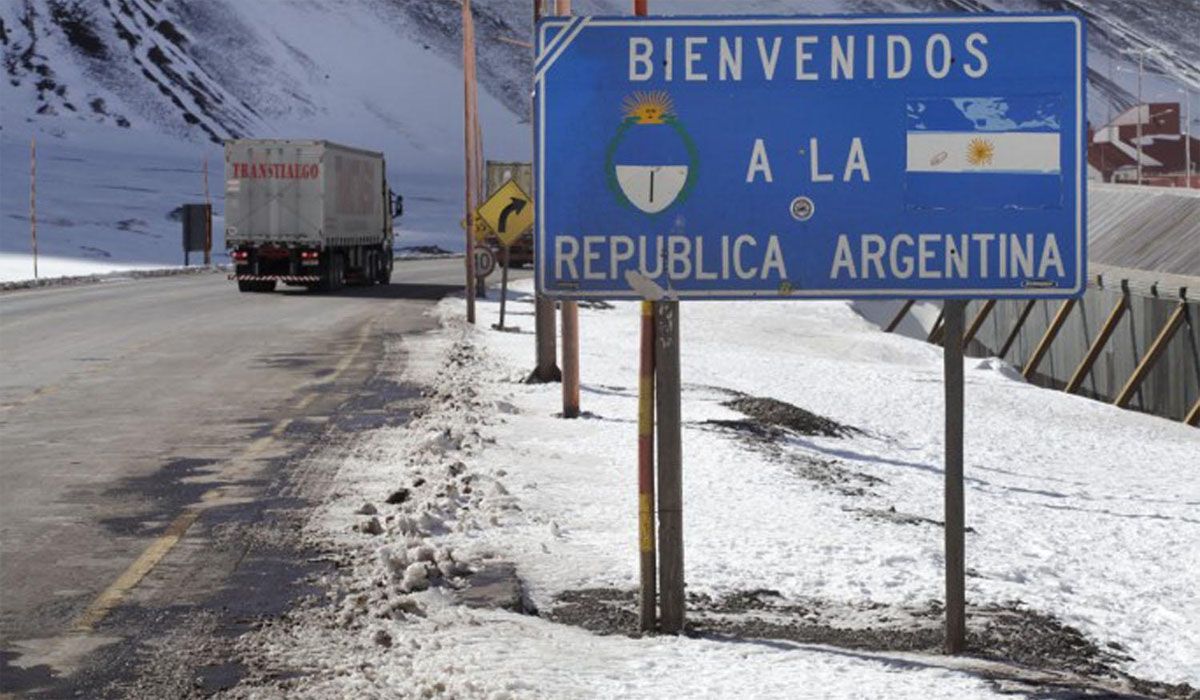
384, 274
334, 277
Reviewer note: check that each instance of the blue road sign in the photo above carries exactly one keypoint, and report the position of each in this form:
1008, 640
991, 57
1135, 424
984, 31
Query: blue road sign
830, 157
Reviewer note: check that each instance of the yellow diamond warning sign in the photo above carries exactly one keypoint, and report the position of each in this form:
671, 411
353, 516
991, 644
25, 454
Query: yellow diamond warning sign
509, 212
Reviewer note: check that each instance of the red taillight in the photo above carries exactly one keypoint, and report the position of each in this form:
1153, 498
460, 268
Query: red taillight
309, 255
240, 256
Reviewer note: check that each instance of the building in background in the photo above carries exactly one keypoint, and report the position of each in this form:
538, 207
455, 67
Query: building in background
1113, 149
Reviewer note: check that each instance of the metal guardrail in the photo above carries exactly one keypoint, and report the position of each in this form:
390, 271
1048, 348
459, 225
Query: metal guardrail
1133, 340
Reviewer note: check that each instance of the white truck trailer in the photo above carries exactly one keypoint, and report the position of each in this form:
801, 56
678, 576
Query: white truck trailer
306, 213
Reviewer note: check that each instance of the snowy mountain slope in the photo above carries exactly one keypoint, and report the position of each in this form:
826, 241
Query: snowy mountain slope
111, 84
127, 103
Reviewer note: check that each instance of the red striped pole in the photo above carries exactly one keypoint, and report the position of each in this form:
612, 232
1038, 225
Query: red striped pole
646, 469
646, 452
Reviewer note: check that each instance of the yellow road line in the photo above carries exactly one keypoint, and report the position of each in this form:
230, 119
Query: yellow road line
95, 368
31, 396
115, 593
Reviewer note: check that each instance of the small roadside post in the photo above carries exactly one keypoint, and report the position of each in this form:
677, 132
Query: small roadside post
208, 228
921, 171
33, 201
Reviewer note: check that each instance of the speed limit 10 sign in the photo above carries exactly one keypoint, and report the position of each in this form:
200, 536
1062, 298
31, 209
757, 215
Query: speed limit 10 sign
485, 261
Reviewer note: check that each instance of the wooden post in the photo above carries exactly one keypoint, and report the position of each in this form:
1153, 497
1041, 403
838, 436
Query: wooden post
1093, 353
1193, 416
546, 368
1157, 348
1043, 346
899, 316
649, 588
570, 318
935, 333
956, 630
670, 467
570, 359
1016, 331
977, 323
469, 138
33, 201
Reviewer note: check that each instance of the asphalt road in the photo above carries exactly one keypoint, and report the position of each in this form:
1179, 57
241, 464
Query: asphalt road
141, 419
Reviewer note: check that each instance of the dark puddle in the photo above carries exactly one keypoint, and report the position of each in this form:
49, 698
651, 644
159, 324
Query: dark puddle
271, 572
159, 497
773, 413
1010, 633
14, 679
291, 361
375, 405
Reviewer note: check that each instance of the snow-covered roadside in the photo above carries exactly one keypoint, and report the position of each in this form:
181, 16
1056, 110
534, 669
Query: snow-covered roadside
1078, 510
15, 267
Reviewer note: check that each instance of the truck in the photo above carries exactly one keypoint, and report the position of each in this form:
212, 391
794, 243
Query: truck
307, 213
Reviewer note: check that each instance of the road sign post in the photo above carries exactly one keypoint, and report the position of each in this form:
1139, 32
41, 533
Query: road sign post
955, 519
670, 467
508, 213
876, 157
505, 252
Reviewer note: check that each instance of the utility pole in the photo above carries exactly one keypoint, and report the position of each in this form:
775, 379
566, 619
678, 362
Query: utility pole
1141, 61
471, 148
648, 564
570, 318
1187, 138
546, 369
1108, 134
33, 201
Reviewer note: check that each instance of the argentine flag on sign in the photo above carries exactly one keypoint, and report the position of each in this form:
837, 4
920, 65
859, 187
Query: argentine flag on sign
984, 153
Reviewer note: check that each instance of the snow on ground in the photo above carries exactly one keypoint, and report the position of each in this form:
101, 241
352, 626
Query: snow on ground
1077, 510
459, 653
15, 267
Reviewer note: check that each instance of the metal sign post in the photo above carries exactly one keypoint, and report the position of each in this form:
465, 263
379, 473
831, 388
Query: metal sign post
503, 286
670, 467
873, 157
955, 518
509, 214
